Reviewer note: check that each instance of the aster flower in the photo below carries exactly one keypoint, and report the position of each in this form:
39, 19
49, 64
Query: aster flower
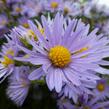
65, 104
3, 31
67, 55
24, 33
23, 21
87, 103
71, 8
19, 85
54, 5
105, 27
73, 92
32, 8
84, 102
17, 9
3, 21
102, 90
9, 51
87, 7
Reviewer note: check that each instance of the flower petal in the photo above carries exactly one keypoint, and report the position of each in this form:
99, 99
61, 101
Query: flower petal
36, 74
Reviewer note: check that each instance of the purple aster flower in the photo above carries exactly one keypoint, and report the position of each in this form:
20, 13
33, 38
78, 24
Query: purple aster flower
17, 9
73, 92
54, 5
71, 8
23, 21
102, 90
32, 8
68, 54
87, 7
87, 103
6, 65
105, 27
13, 39
19, 85
65, 104
3, 31
3, 21
9, 51
23, 32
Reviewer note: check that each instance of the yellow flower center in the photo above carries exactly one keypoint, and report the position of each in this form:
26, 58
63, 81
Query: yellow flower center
60, 56
3, 22
101, 87
18, 9
7, 61
54, 5
26, 25
10, 52
66, 10
86, 107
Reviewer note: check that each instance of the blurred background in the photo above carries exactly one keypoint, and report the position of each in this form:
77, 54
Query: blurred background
104, 2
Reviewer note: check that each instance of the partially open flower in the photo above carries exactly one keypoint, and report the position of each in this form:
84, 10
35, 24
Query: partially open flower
18, 85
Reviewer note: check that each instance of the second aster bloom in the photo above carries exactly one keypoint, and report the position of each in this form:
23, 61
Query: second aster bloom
72, 9
9, 51
17, 9
73, 92
18, 85
67, 54
32, 8
102, 90
91, 103
24, 22
54, 5
65, 104
3, 21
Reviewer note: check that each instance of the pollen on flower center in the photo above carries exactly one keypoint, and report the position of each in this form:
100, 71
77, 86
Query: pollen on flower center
54, 5
3, 22
66, 10
7, 61
100, 87
10, 52
26, 25
18, 9
59, 56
